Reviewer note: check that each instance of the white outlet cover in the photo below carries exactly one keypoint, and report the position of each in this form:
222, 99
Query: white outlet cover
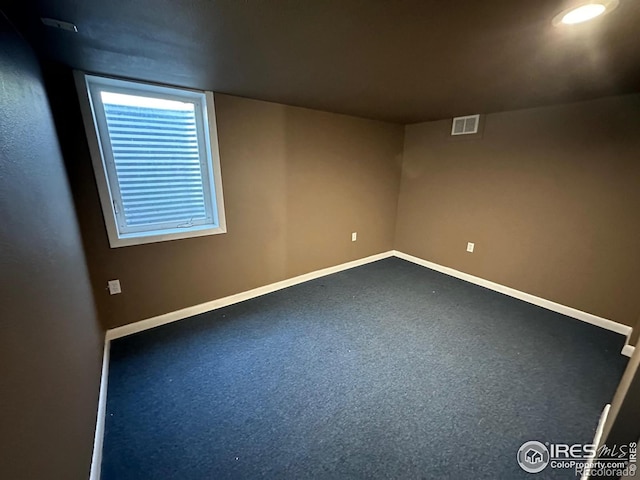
114, 287
354, 236
470, 247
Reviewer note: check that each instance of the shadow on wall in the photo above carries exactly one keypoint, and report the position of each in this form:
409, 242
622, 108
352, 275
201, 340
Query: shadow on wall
50, 339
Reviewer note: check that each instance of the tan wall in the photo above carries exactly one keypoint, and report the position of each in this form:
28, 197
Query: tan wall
550, 196
296, 183
633, 339
50, 340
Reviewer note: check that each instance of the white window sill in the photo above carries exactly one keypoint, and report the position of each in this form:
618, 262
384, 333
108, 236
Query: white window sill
125, 240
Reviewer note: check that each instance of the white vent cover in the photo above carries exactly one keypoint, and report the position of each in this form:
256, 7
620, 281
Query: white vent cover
465, 125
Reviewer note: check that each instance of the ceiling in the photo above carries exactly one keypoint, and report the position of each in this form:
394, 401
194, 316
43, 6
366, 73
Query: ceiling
397, 60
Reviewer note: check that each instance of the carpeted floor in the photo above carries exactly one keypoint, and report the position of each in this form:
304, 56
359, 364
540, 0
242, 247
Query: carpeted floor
388, 370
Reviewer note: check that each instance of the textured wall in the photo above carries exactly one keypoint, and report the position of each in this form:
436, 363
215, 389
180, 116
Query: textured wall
636, 333
50, 340
296, 183
549, 196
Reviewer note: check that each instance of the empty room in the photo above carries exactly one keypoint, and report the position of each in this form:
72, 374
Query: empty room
319, 239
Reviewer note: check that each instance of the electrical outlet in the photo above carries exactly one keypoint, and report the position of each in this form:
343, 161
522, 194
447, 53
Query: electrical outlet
354, 236
114, 287
470, 247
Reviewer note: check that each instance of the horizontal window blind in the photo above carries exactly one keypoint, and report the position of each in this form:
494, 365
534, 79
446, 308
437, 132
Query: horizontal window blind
154, 150
157, 161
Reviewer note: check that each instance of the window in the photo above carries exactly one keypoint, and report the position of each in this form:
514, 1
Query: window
155, 157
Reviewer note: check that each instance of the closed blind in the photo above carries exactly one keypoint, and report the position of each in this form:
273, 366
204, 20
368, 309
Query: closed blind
157, 162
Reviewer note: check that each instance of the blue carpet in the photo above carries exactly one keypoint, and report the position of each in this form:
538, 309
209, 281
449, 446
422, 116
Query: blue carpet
388, 370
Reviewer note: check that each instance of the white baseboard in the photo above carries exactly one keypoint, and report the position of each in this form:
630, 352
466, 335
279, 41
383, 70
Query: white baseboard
527, 297
96, 461
239, 297
598, 436
257, 292
628, 350
96, 458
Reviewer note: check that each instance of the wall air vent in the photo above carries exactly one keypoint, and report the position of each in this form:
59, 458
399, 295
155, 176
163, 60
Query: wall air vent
465, 125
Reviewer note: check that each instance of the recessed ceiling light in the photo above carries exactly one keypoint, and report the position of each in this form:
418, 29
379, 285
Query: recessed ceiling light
585, 12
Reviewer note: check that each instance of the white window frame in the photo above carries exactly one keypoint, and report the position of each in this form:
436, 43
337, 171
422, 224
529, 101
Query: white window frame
94, 120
